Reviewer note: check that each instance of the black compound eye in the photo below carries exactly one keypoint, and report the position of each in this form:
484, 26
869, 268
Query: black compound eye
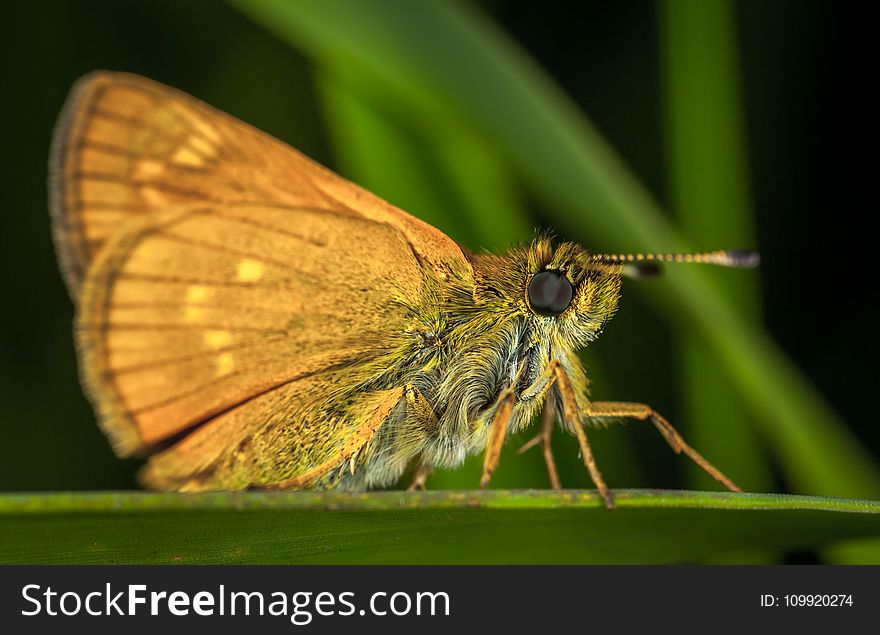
550, 293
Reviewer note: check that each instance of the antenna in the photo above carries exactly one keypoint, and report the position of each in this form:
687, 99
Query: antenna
643, 265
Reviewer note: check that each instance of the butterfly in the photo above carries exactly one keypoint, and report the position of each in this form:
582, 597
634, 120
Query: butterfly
246, 318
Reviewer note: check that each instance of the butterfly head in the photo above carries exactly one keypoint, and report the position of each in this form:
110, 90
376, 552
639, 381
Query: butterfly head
567, 295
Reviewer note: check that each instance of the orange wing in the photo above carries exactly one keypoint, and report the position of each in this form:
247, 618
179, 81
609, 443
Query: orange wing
127, 146
226, 285
240, 311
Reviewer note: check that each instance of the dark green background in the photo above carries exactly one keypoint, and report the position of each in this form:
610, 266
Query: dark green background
804, 75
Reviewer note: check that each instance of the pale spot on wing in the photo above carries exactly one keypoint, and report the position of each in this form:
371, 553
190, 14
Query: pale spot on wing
225, 363
202, 146
185, 156
207, 129
250, 270
197, 122
193, 313
148, 169
153, 196
218, 339
196, 293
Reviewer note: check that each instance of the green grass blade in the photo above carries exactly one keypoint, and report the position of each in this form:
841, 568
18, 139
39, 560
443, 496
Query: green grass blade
436, 164
445, 57
370, 149
649, 526
709, 186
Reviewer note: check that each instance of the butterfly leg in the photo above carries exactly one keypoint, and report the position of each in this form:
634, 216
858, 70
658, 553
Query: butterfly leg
642, 412
419, 477
497, 434
572, 418
499, 431
420, 411
543, 437
422, 420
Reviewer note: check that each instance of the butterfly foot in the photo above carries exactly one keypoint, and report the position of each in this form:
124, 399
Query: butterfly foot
419, 477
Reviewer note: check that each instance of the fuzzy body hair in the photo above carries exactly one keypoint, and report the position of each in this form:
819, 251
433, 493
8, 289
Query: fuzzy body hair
468, 342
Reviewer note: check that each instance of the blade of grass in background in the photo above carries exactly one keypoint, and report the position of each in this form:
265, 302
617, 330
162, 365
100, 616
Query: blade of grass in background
446, 56
416, 528
370, 149
710, 193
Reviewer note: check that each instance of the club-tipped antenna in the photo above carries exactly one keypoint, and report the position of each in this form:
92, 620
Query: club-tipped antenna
645, 265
